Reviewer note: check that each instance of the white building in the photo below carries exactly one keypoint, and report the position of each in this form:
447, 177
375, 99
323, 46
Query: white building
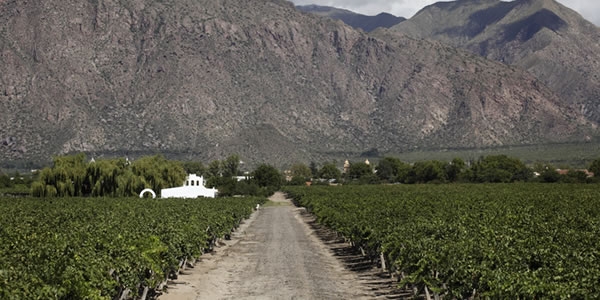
192, 188
242, 178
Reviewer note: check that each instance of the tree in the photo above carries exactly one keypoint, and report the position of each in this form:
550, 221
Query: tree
314, 169
391, 169
231, 165
74, 167
214, 173
296, 180
500, 168
428, 171
245, 187
539, 167
267, 176
226, 185
38, 189
156, 171
301, 170
359, 169
455, 169
193, 167
300, 174
550, 175
330, 171
214, 169
575, 176
73, 176
5, 180
386, 169
595, 168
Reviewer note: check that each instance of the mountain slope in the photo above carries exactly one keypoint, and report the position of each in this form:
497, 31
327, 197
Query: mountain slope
544, 37
206, 78
366, 23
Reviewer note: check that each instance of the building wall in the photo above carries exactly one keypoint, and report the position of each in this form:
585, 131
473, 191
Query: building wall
188, 192
193, 187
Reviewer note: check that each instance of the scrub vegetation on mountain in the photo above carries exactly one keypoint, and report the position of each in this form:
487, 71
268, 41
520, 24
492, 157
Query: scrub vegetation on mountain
200, 79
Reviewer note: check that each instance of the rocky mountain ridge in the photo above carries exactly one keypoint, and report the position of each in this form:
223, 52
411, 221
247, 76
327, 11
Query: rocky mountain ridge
544, 37
206, 78
356, 20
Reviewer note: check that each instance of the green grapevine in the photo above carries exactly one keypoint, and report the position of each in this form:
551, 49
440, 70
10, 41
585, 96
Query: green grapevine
506, 241
96, 248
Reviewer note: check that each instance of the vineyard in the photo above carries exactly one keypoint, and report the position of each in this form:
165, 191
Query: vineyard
506, 241
100, 248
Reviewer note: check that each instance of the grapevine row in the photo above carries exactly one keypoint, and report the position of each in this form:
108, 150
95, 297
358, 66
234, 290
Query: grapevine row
461, 241
103, 248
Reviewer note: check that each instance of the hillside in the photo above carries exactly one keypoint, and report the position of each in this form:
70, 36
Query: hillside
364, 22
206, 78
549, 40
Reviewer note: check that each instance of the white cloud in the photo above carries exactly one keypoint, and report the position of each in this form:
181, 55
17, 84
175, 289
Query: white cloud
590, 9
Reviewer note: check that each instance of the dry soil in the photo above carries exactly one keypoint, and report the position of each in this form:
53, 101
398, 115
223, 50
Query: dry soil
273, 255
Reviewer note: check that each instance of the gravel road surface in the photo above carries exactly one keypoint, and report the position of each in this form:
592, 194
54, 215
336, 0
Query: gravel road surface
273, 255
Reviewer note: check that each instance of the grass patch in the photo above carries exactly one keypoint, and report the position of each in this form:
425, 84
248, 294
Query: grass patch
276, 204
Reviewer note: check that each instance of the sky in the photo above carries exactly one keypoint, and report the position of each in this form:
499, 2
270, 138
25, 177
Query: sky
590, 9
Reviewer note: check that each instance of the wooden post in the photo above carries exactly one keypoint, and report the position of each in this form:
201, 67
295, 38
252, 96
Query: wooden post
144, 294
427, 294
124, 294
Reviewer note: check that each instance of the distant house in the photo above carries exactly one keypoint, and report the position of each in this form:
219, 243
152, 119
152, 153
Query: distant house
288, 175
242, 178
193, 187
346, 167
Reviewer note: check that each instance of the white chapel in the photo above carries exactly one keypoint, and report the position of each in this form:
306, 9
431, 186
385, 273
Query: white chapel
193, 187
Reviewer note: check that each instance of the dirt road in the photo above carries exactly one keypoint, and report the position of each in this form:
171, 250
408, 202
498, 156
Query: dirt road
274, 255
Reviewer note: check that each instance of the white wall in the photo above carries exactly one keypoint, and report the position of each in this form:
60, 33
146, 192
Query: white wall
188, 192
193, 187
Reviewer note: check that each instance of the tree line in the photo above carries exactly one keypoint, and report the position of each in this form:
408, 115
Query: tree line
14, 179
488, 169
15, 184
221, 174
76, 176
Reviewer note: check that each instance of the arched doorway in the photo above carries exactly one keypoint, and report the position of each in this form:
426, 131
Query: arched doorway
148, 191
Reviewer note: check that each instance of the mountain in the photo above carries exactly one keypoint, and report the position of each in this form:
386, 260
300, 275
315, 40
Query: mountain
203, 79
549, 40
366, 23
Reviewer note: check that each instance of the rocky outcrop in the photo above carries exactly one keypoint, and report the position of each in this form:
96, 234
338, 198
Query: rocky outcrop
549, 40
